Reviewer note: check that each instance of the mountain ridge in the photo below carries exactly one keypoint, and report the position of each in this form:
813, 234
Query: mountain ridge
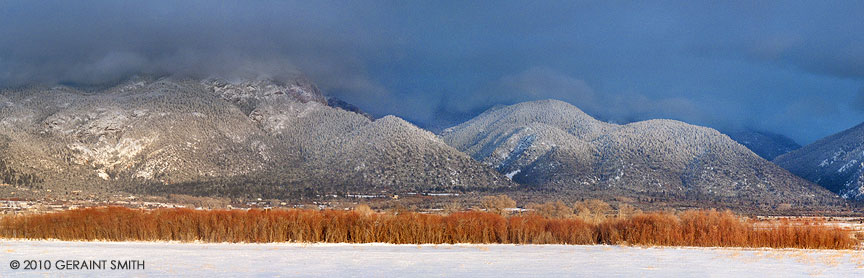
555, 145
211, 137
836, 162
765, 144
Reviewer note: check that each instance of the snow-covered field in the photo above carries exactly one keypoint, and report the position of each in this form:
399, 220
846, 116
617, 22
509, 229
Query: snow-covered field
384, 260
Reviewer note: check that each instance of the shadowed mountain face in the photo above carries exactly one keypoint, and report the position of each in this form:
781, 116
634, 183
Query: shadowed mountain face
553, 145
213, 137
765, 144
835, 162
341, 104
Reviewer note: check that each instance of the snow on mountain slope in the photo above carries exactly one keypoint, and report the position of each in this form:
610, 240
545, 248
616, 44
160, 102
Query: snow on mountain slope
214, 137
552, 144
835, 162
512, 137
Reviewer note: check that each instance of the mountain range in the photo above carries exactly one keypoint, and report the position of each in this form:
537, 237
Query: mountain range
214, 137
285, 139
835, 162
553, 145
765, 144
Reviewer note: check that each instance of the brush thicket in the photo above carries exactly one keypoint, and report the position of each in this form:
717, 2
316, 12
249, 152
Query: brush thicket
691, 228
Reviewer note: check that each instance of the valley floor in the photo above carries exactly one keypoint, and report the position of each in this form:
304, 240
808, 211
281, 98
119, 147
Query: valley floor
387, 260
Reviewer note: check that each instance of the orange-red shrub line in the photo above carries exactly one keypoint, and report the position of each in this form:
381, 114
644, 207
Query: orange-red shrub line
692, 228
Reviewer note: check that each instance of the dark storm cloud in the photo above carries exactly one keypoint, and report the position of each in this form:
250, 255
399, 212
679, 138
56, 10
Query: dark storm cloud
791, 67
103, 41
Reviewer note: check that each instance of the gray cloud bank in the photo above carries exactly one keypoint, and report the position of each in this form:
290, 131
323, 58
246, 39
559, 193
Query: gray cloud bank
795, 68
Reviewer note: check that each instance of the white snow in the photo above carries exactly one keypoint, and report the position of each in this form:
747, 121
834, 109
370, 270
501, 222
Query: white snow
441, 194
511, 174
846, 166
385, 260
102, 174
834, 158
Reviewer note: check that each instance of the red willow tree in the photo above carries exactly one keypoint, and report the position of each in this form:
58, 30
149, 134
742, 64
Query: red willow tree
691, 228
